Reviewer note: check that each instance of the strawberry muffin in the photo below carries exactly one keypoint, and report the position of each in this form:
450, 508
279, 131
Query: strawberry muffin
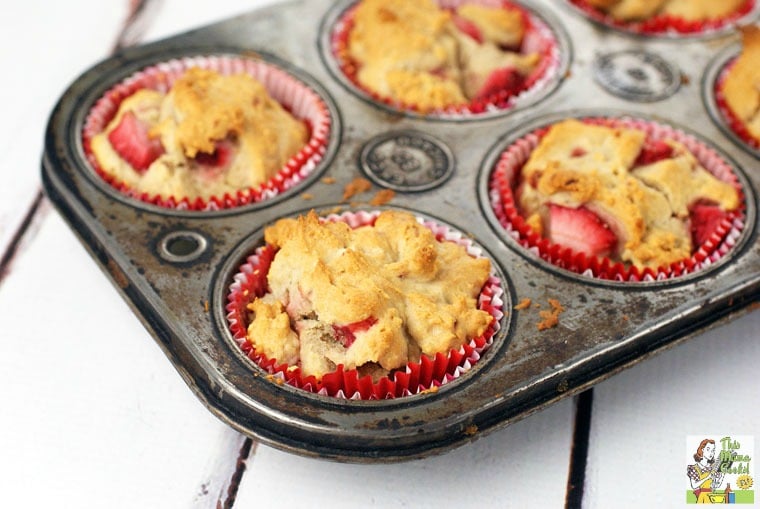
428, 58
659, 16
209, 135
740, 88
616, 191
690, 10
377, 295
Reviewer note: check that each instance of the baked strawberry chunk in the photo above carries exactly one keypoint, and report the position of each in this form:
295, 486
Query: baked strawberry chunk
580, 230
654, 151
131, 140
507, 80
705, 218
346, 334
220, 158
468, 28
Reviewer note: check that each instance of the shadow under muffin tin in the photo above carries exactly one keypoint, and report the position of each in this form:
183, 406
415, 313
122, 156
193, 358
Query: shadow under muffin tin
175, 266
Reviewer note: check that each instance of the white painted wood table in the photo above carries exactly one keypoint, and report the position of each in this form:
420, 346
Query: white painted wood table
92, 414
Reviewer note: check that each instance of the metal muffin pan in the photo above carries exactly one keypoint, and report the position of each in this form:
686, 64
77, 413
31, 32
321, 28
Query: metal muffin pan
174, 267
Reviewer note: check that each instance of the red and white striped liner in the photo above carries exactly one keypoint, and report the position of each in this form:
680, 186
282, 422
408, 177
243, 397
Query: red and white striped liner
505, 178
664, 24
302, 102
729, 118
539, 38
417, 377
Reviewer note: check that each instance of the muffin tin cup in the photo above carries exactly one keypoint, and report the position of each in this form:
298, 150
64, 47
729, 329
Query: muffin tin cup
669, 26
540, 37
300, 100
717, 106
417, 377
505, 178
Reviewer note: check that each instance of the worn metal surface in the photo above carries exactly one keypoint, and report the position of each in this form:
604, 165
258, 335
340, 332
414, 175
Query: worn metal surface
174, 267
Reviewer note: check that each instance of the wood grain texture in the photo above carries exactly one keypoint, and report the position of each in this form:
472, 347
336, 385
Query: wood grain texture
46, 45
94, 415
641, 417
519, 466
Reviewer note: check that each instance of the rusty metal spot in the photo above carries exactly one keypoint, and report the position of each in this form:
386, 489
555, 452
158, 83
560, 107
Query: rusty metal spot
118, 276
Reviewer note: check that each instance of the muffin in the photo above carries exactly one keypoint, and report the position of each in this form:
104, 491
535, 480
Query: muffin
205, 133
369, 296
629, 194
660, 16
689, 10
211, 134
740, 87
423, 57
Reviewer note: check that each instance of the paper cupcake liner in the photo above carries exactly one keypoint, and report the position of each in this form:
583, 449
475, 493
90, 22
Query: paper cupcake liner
539, 38
505, 176
300, 100
664, 24
417, 377
729, 118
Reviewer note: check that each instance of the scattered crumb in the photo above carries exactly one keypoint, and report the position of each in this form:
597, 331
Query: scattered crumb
685, 80
328, 180
550, 319
625, 318
563, 386
471, 430
524, 304
356, 186
205, 306
382, 197
307, 196
431, 390
275, 379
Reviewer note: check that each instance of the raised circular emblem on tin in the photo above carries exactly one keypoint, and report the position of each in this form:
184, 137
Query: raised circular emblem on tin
182, 246
636, 75
407, 161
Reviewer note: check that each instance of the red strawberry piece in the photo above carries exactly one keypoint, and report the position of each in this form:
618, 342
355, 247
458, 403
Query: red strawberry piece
506, 79
705, 219
580, 230
346, 333
468, 28
578, 152
131, 141
220, 158
653, 151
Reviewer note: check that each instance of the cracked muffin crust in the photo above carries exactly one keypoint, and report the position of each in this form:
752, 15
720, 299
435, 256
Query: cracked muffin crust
211, 134
371, 298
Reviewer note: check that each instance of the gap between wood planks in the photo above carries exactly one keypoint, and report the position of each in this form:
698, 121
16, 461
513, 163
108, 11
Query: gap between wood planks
576, 478
132, 30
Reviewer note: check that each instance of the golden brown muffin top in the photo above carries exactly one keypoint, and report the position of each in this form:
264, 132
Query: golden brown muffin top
741, 87
421, 294
579, 164
690, 10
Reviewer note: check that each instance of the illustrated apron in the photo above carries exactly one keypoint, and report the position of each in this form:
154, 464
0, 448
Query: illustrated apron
702, 493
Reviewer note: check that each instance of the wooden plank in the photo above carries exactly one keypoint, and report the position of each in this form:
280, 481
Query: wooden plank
94, 415
45, 46
642, 417
523, 465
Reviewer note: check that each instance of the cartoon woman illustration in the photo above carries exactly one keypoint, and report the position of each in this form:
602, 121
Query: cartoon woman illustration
704, 474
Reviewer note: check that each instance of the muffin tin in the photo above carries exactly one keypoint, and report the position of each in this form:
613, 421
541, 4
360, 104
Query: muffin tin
175, 267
